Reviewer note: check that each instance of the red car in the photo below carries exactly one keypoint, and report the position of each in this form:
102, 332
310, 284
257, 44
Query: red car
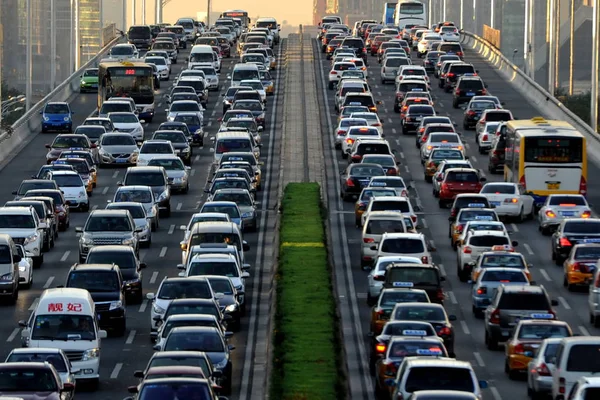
456, 181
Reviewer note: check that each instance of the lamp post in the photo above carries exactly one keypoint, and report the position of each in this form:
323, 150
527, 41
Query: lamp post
143, 12
595, 65
492, 14
551, 48
208, 4
77, 37
133, 7
28, 61
462, 22
571, 46
52, 45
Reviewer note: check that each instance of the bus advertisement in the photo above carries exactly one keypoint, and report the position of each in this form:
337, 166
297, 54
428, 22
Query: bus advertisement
389, 12
545, 157
133, 79
410, 12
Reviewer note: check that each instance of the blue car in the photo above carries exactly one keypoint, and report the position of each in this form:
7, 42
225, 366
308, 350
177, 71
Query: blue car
194, 124
57, 116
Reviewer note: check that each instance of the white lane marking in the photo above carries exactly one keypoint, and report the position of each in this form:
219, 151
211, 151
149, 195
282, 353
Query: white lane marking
95, 207
583, 331
65, 256
495, 393
424, 223
163, 251
153, 277
115, 174
143, 306
213, 113
48, 282
545, 275
130, 337
398, 142
452, 297
465, 328
442, 269
514, 227
477, 358
467, 146
197, 158
402, 155
171, 229
390, 121
209, 124
407, 169
105, 190
13, 335
528, 248
179, 205
379, 94
393, 130
193, 172
115, 372
474, 158
564, 303
33, 305
158, 105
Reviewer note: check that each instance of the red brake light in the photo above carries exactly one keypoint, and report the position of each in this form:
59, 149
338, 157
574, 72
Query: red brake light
380, 347
564, 242
576, 267
369, 240
561, 385
482, 290
349, 182
495, 317
450, 75
483, 91
471, 113
583, 186
425, 260
341, 133
445, 331
519, 349
586, 214
485, 137
459, 228
467, 250
543, 370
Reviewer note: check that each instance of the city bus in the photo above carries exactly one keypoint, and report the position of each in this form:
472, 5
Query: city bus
130, 78
241, 14
389, 13
545, 157
410, 12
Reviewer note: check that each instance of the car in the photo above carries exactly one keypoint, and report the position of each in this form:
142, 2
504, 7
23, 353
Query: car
55, 197
64, 142
487, 282
559, 207
155, 388
500, 256
412, 117
45, 215
475, 243
469, 212
509, 200
245, 203
425, 130
436, 157
398, 204
73, 189
57, 116
440, 140
466, 87
163, 67
335, 72
25, 228
580, 266
474, 109
89, 80
539, 377
356, 177
571, 232
341, 130
141, 219
128, 122
139, 194
177, 320
355, 133
117, 148
441, 170
386, 302
485, 137
38, 380
458, 181
493, 115
377, 274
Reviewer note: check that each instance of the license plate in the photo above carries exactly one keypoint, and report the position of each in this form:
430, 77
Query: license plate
94, 86
470, 94
495, 203
553, 186
567, 213
418, 118
121, 160
505, 333
364, 183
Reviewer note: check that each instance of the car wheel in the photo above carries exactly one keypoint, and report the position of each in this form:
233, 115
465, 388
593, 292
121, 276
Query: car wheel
490, 343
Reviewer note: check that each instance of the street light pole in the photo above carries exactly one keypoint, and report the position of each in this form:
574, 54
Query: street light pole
157, 7
595, 66
208, 13
571, 47
77, 37
551, 48
444, 11
462, 4
492, 14
429, 12
143, 12
124, 16
133, 7
52, 44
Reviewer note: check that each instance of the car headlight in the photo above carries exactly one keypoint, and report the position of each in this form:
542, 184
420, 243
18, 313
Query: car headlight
46, 118
90, 354
178, 179
22, 268
163, 196
247, 214
6, 277
221, 364
128, 242
186, 150
66, 118
86, 240
82, 193
231, 308
115, 304
239, 287
31, 238
157, 309
83, 82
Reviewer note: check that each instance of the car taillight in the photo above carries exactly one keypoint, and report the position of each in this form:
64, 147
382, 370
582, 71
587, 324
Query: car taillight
333, 72
425, 260
467, 250
421, 130
542, 370
485, 137
582, 186
513, 200
459, 228
390, 369
597, 282
429, 147
564, 242
356, 157
364, 50
392, 172
457, 92
522, 182
586, 214
431, 164
450, 75
380, 347
483, 91
482, 290
381, 315
471, 113
443, 187
561, 385
495, 317
460, 54
376, 124
408, 119
349, 141
576, 267
368, 240
341, 133
519, 349
349, 182
445, 331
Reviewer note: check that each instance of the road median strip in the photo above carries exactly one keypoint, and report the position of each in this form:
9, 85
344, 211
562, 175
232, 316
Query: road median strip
307, 353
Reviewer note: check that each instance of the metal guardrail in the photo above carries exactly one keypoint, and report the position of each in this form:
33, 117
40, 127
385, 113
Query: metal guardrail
109, 32
30, 120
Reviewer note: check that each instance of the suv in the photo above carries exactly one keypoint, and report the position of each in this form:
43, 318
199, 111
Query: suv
105, 284
458, 181
157, 179
511, 304
455, 71
467, 87
108, 227
44, 214
404, 244
413, 116
416, 276
474, 244
360, 147
358, 45
25, 228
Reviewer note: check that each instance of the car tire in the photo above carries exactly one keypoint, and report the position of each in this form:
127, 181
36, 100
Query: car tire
38, 261
441, 203
491, 344
330, 85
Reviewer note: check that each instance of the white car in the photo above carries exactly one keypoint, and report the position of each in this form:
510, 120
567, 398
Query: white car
154, 148
475, 243
377, 275
340, 131
123, 51
164, 69
128, 122
257, 85
398, 204
425, 39
394, 182
184, 106
509, 200
559, 207
24, 226
355, 133
211, 74
25, 267
73, 188
336, 71
404, 244
372, 119
449, 34
440, 140
486, 136
481, 226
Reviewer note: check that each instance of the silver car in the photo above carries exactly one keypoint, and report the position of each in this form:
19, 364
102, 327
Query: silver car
117, 148
340, 132
485, 136
488, 282
177, 172
377, 275
187, 106
245, 203
142, 195
559, 207
389, 68
539, 376
142, 221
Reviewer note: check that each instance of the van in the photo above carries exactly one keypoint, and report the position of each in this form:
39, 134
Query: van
200, 53
65, 318
243, 72
575, 357
214, 232
9, 268
140, 36
234, 141
376, 224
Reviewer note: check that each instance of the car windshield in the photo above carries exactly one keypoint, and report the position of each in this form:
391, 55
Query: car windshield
91, 72
16, 221
543, 331
248, 105
447, 155
191, 308
65, 142
498, 189
582, 227
68, 180
366, 171
228, 184
488, 241
172, 136
380, 226
491, 128
587, 253
123, 118
580, 359
188, 289
444, 138
369, 193
124, 259
228, 269
383, 161
398, 328
402, 246
175, 391
439, 378
193, 120
389, 298
168, 164
118, 140
250, 125
27, 186
241, 199
216, 237
56, 109
208, 342
503, 260
229, 210
91, 131
467, 177
412, 313
567, 201
60, 326
55, 359
156, 148
504, 276
523, 301
80, 166
136, 212
482, 105
136, 196
227, 145
107, 223
28, 380
184, 106
156, 60
192, 322
221, 285
94, 281
406, 349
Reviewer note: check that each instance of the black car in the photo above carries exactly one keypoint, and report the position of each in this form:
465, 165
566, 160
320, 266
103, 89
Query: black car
573, 231
496, 155
356, 177
175, 126
230, 94
426, 277
467, 201
195, 306
105, 284
157, 179
455, 71
177, 388
180, 143
358, 45
412, 117
229, 303
129, 265
474, 110
431, 60
467, 87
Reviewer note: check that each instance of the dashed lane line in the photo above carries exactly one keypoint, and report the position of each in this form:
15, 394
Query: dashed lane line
115, 372
48, 282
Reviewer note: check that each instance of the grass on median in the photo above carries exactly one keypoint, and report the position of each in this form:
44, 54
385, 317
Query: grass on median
307, 352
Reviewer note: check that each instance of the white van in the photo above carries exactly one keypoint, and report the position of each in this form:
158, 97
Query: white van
65, 318
575, 357
214, 232
238, 141
243, 72
200, 54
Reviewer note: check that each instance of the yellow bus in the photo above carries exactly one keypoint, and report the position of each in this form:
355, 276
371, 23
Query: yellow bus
545, 157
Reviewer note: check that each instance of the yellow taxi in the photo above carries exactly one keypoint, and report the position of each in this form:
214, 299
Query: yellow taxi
580, 266
267, 82
527, 336
500, 257
437, 156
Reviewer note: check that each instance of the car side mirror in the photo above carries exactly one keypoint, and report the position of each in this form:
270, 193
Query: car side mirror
138, 374
374, 248
143, 265
530, 265
14, 192
483, 384
102, 334
482, 179
180, 266
260, 129
187, 59
554, 302
150, 296
245, 245
79, 229
47, 146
